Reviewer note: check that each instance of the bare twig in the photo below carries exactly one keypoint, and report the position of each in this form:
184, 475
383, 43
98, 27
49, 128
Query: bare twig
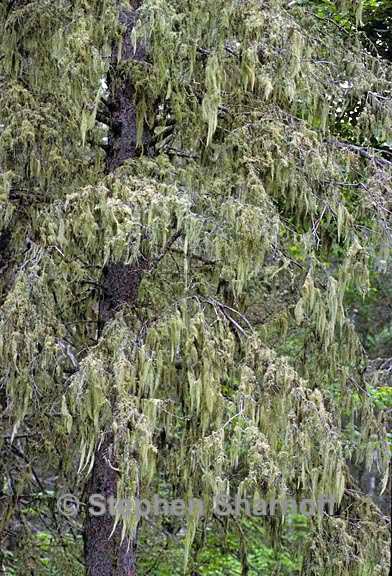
363, 151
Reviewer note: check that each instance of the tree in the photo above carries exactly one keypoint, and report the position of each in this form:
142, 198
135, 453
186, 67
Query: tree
180, 224
372, 18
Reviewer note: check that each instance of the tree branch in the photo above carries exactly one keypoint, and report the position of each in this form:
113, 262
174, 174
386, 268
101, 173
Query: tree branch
363, 151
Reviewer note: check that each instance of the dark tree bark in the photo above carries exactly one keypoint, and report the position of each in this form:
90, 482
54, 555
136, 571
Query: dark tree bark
122, 137
106, 555
119, 287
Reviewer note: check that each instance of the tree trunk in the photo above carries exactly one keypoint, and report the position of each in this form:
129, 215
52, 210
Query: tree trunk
106, 555
122, 141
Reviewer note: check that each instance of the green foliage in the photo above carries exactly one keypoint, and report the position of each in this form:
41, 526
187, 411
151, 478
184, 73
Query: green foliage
217, 552
44, 555
382, 396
